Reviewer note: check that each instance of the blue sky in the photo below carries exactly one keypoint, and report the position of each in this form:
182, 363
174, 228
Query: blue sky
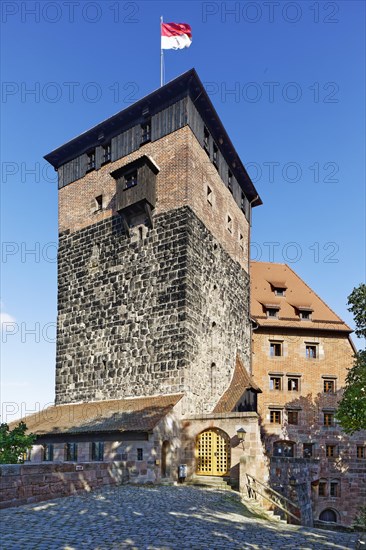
288, 81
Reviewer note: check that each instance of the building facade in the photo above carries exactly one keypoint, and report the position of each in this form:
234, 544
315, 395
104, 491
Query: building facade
301, 353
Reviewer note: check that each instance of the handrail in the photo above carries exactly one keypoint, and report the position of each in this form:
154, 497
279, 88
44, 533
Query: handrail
273, 491
251, 487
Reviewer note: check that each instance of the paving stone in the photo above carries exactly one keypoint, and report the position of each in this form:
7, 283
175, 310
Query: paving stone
159, 518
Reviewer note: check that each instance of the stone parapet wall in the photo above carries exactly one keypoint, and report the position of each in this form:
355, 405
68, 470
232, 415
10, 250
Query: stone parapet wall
29, 483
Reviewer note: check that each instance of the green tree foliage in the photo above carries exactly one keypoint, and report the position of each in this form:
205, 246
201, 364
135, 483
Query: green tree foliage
357, 301
14, 443
352, 408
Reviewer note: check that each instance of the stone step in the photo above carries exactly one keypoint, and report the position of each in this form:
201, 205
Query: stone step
210, 481
256, 507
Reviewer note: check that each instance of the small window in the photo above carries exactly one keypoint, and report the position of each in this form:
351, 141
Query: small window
272, 312
275, 383
328, 515
334, 489
230, 181
106, 156
99, 202
97, 451
206, 140
307, 450
215, 157
131, 179
140, 454
279, 291
71, 452
229, 225
293, 417
328, 419
209, 195
91, 161
145, 132
284, 449
305, 315
275, 417
275, 349
329, 386
293, 384
311, 351
361, 451
241, 241
322, 491
48, 452
330, 451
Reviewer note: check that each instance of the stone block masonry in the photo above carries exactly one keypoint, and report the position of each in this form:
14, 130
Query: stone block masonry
162, 314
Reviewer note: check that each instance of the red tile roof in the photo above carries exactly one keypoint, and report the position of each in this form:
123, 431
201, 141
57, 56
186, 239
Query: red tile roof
265, 277
118, 415
240, 382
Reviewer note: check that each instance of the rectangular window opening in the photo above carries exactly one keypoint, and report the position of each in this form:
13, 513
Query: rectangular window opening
215, 157
322, 491
131, 179
229, 224
275, 349
293, 417
334, 489
330, 451
272, 312
91, 161
308, 450
293, 384
311, 351
361, 451
206, 140
275, 383
145, 132
230, 181
275, 417
99, 202
97, 451
71, 452
107, 150
48, 452
140, 454
329, 386
328, 419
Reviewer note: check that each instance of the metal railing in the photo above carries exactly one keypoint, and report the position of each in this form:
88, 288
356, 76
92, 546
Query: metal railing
290, 509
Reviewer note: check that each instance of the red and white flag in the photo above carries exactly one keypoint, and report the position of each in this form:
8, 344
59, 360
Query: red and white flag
175, 36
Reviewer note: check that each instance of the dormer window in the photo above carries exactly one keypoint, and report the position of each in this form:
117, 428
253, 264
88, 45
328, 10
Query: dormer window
91, 160
305, 315
272, 312
279, 291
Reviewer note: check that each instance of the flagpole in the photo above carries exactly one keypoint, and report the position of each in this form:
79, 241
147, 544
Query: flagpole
161, 56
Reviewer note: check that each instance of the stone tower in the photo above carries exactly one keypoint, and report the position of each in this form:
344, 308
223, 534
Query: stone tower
153, 284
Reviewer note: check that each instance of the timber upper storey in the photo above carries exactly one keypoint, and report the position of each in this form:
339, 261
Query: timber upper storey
183, 101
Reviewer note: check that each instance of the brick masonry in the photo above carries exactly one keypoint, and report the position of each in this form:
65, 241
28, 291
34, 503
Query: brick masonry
334, 358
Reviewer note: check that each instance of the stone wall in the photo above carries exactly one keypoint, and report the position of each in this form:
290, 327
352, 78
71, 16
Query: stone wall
29, 483
165, 314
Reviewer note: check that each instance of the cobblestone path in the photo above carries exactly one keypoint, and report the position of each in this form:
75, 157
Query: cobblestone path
156, 518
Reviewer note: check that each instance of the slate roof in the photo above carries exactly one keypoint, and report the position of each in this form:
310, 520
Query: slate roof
265, 276
240, 382
118, 415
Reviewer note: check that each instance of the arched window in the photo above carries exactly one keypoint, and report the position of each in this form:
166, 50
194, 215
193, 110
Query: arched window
284, 449
328, 515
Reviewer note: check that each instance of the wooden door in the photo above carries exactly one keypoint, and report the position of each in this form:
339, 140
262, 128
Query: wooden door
213, 453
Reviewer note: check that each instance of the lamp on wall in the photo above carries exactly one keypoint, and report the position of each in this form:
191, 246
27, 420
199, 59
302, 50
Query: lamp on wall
241, 433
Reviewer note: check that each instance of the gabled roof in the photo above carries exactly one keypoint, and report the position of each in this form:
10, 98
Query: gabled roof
119, 415
240, 382
186, 84
298, 297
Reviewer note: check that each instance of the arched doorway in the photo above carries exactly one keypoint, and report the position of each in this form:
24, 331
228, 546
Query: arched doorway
213, 453
328, 515
165, 459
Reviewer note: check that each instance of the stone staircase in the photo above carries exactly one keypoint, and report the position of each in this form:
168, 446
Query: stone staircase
256, 508
214, 482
